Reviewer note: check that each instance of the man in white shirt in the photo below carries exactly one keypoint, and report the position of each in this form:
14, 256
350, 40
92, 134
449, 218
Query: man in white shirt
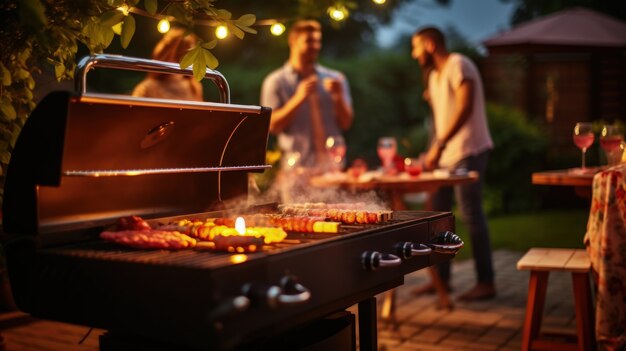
461, 140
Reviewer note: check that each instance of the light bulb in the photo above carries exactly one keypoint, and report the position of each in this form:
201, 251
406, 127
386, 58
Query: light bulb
277, 29
379, 2
338, 13
163, 26
221, 32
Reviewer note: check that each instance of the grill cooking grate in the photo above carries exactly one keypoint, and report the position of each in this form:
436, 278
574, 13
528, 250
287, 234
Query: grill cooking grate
201, 257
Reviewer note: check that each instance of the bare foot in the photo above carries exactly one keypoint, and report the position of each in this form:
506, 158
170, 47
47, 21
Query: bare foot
482, 291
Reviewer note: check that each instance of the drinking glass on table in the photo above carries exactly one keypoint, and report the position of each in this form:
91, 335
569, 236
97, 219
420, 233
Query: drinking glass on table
387, 148
611, 139
336, 148
583, 138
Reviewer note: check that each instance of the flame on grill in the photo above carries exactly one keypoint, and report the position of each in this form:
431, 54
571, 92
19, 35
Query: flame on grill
240, 225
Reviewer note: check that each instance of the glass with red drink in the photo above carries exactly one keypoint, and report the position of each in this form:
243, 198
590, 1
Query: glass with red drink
611, 139
583, 138
413, 166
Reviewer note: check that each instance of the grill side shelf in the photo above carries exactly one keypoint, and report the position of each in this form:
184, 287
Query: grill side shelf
134, 172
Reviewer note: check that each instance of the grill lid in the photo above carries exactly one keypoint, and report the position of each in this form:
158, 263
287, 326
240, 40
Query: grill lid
83, 160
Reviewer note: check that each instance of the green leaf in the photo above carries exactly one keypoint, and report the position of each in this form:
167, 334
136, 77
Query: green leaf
190, 57
209, 45
199, 66
115, 3
5, 157
248, 29
210, 60
22, 74
151, 6
29, 82
235, 30
6, 75
7, 109
178, 11
107, 36
111, 18
223, 14
59, 70
32, 14
246, 20
128, 30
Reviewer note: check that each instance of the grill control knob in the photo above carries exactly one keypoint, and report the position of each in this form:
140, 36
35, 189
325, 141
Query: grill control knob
292, 291
262, 294
229, 307
288, 293
372, 260
408, 249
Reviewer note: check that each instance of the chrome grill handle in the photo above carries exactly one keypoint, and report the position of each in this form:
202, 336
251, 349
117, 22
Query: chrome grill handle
143, 65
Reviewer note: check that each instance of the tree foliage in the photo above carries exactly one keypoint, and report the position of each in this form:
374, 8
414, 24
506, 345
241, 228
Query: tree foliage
45, 35
37, 34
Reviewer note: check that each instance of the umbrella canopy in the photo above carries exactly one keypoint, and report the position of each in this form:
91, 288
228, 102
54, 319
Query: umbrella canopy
576, 27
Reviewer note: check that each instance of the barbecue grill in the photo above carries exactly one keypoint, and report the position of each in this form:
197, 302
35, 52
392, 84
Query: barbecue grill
83, 160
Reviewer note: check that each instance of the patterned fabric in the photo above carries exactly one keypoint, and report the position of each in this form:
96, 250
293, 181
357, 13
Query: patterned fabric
606, 244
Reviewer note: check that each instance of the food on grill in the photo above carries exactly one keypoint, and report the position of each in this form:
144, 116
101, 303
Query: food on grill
307, 224
150, 239
132, 223
239, 243
209, 230
347, 213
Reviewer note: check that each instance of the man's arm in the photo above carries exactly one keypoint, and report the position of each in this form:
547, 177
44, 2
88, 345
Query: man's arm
464, 100
284, 115
343, 109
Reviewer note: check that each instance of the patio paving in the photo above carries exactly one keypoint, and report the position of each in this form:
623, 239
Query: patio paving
494, 324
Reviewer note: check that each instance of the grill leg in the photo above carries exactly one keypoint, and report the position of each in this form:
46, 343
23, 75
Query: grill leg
368, 331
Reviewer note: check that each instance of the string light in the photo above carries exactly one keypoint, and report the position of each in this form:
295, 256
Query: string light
277, 29
221, 32
338, 12
163, 26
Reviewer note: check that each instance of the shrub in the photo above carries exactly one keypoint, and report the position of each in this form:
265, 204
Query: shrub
520, 147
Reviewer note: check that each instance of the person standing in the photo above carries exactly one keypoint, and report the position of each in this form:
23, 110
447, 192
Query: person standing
171, 48
461, 140
309, 102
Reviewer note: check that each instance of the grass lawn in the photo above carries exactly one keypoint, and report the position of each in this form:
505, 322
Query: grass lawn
554, 228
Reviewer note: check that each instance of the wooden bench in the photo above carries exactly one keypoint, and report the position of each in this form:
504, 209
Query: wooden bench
540, 262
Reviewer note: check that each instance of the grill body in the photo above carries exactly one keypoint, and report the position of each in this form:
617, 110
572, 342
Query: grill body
84, 160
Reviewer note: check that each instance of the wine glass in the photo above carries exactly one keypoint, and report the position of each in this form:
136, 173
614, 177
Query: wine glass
611, 139
336, 148
583, 138
387, 148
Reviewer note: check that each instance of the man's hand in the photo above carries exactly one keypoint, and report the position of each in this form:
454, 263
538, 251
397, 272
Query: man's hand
305, 88
432, 157
333, 87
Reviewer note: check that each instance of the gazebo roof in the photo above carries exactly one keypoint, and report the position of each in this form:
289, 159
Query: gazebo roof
576, 27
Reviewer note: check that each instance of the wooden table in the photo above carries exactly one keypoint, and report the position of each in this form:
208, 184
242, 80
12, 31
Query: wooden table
395, 187
581, 181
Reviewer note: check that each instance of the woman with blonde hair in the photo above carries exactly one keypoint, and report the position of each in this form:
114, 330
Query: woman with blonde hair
171, 48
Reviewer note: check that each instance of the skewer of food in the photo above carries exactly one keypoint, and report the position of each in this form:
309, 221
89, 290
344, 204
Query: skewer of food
335, 212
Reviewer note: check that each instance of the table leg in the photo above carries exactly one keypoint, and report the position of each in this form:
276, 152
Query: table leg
388, 310
442, 293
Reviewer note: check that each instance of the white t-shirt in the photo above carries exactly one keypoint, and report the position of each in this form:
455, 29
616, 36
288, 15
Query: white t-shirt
473, 137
